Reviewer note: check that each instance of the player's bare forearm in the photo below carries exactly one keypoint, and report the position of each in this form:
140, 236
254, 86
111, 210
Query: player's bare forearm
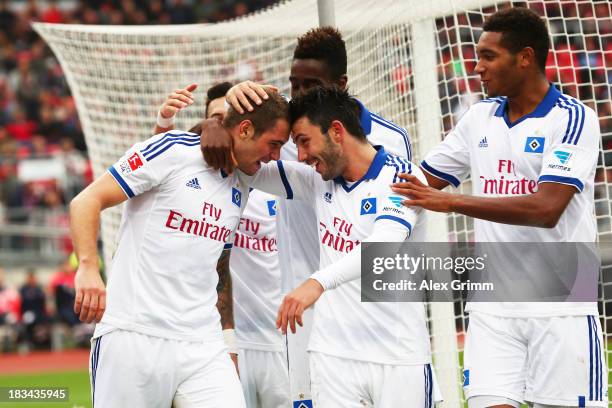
177, 100
225, 303
85, 208
541, 209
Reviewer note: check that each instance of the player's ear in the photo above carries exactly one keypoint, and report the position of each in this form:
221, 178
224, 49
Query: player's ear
527, 57
342, 81
336, 131
246, 130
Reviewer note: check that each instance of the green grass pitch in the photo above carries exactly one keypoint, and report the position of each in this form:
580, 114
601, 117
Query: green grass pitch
77, 383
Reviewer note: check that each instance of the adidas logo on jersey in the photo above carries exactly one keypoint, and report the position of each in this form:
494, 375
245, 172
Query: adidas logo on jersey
483, 142
194, 183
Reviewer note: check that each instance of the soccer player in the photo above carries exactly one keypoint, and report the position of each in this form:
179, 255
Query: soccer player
318, 59
255, 274
531, 152
160, 339
361, 354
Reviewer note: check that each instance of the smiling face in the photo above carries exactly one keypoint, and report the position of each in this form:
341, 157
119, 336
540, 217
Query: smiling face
251, 149
317, 149
500, 71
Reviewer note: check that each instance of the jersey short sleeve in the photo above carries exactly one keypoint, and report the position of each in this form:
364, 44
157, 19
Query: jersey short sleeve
572, 157
146, 164
450, 160
291, 180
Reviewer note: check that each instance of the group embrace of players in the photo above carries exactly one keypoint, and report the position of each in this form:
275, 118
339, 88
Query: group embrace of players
293, 213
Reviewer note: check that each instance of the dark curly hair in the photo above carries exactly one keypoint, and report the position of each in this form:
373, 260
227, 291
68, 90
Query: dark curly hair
521, 27
323, 44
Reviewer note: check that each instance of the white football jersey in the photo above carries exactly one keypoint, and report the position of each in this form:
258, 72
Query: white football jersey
380, 332
296, 225
557, 143
256, 277
179, 216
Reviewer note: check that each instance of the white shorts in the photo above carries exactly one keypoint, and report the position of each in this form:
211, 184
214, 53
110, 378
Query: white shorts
550, 360
339, 382
129, 369
265, 378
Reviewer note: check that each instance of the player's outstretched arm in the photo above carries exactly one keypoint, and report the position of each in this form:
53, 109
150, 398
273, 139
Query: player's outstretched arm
85, 209
346, 269
177, 100
540, 209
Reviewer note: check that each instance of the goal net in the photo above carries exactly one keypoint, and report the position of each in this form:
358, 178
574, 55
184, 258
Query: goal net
411, 61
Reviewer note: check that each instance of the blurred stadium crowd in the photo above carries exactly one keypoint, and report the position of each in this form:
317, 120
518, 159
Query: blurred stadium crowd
43, 157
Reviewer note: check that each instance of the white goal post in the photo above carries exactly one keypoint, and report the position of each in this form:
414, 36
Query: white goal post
409, 60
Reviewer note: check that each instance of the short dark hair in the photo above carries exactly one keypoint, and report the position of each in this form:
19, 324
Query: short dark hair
323, 44
216, 91
322, 105
521, 27
264, 116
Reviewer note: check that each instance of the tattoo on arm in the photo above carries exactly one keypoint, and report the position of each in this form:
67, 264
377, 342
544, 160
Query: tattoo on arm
225, 303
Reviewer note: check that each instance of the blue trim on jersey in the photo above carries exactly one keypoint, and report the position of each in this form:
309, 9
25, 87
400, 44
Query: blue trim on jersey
96, 359
426, 385
91, 370
590, 359
223, 173
392, 126
373, 171
365, 118
228, 246
167, 136
576, 114
430, 383
169, 145
498, 99
562, 180
124, 186
439, 174
598, 364
397, 219
581, 401
284, 179
543, 108
400, 164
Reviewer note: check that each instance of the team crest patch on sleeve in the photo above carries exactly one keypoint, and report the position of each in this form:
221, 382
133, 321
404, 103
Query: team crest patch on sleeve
534, 144
466, 378
236, 196
135, 161
271, 207
368, 206
302, 404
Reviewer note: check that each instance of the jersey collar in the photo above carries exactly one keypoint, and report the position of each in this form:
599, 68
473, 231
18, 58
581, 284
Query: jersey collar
377, 164
549, 101
365, 118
